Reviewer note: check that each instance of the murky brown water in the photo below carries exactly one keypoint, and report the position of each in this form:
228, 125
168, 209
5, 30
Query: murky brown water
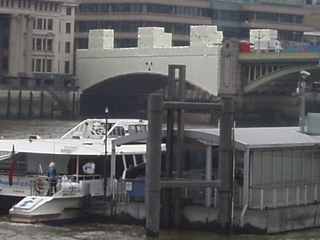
97, 231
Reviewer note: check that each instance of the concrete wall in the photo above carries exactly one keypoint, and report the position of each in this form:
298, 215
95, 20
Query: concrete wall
266, 221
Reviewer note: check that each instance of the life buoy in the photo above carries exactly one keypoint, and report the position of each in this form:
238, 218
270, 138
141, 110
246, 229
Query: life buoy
38, 184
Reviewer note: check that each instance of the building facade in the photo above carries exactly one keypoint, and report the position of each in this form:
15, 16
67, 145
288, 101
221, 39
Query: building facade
36, 37
234, 17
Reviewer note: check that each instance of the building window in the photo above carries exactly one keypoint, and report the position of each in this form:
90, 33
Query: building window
125, 26
44, 44
43, 65
38, 44
49, 45
66, 67
187, 11
50, 24
68, 27
92, 8
159, 8
39, 23
49, 65
68, 11
67, 47
81, 43
127, 7
85, 26
183, 29
125, 42
167, 26
38, 65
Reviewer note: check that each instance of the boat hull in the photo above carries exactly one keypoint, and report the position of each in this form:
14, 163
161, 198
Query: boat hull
68, 216
49, 210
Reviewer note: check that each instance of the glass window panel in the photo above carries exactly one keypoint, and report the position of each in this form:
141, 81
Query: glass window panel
316, 166
139, 159
297, 166
287, 170
49, 65
257, 168
50, 24
307, 166
277, 167
267, 169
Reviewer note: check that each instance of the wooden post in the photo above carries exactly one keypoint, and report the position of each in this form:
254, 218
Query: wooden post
41, 105
20, 105
153, 165
8, 104
30, 105
169, 148
225, 193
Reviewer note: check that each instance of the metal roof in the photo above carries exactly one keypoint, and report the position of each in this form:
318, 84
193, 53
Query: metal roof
245, 138
260, 137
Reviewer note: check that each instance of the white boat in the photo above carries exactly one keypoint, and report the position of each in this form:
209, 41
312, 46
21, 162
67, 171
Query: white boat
65, 206
85, 142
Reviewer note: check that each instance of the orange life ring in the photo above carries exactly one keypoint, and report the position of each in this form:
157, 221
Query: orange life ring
38, 184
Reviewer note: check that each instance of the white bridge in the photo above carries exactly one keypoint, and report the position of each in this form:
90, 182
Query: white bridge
119, 75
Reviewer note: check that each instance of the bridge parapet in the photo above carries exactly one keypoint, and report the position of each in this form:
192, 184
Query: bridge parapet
279, 57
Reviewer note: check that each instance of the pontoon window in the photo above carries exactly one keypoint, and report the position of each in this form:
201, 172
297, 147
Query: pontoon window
285, 167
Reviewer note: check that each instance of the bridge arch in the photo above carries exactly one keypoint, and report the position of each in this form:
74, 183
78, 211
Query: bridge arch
132, 83
126, 94
253, 85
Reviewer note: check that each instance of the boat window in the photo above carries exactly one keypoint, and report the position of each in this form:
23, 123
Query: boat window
117, 132
139, 159
98, 129
6, 161
129, 160
137, 128
119, 166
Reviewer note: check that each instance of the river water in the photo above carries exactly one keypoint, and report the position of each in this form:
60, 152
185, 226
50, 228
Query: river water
94, 230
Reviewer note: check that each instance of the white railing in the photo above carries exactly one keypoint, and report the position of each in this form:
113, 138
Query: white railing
272, 197
258, 197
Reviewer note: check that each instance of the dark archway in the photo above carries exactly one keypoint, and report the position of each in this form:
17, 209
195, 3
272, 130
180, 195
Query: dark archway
125, 95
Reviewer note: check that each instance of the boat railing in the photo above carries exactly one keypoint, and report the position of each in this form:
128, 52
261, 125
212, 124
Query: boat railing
69, 184
77, 178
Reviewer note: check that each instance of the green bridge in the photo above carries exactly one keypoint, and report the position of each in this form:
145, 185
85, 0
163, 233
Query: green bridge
278, 69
